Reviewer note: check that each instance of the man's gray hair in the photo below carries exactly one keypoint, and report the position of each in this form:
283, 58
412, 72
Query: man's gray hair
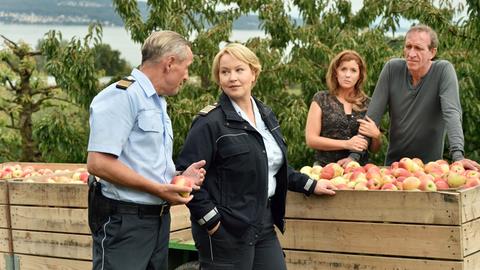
429, 31
162, 43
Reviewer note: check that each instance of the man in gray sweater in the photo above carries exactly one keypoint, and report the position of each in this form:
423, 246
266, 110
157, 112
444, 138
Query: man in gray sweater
423, 102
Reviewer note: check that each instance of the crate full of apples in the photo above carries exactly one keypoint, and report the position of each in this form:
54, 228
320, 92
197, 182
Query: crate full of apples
406, 174
44, 172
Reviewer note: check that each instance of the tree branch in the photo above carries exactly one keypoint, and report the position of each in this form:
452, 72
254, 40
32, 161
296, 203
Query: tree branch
10, 64
45, 89
11, 84
9, 41
34, 53
40, 101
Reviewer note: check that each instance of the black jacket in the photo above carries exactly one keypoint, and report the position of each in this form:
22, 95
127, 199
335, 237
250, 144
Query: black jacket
236, 183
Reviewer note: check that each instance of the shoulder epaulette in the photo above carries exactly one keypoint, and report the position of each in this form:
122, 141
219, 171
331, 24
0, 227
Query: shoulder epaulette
207, 109
125, 82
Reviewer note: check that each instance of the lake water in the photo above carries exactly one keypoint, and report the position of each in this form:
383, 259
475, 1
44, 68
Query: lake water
117, 37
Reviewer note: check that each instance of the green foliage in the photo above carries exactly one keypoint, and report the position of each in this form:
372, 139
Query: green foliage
73, 66
61, 136
296, 53
109, 61
33, 112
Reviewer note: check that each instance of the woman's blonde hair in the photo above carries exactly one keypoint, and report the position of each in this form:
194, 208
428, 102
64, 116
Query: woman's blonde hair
240, 52
358, 97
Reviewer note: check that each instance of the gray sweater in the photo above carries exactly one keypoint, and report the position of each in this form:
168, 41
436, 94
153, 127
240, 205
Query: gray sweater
419, 116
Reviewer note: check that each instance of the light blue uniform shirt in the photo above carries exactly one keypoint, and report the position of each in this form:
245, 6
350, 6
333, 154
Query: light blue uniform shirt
133, 125
274, 152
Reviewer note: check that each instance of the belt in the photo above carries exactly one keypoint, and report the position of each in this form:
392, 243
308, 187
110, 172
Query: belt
130, 208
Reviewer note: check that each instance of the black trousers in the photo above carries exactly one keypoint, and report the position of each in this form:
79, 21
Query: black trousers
257, 251
132, 242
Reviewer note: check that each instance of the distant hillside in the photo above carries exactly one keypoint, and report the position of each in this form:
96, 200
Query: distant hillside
69, 12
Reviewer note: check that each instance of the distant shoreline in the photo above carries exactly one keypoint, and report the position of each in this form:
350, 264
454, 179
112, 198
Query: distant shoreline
116, 36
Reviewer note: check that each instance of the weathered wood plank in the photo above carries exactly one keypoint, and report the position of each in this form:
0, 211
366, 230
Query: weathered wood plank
74, 220
307, 260
50, 219
471, 237
70, 246
3, 192
180, 216
470, 203
381, 206
426, 241
28, 262
4, 240
3, 216
47, 194
472, 262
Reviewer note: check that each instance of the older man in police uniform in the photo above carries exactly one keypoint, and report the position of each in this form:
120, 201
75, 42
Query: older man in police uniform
130, 150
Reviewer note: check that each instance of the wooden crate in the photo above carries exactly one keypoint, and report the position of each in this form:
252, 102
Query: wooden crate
384, 230
5, 233
3, 205
49, 224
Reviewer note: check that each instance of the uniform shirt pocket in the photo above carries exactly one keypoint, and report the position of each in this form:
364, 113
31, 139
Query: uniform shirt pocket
150, 121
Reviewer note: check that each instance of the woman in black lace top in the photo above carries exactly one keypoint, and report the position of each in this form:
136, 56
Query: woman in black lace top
333, 123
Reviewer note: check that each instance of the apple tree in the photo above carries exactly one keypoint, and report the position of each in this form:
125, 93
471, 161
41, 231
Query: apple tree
42, 120
295, 52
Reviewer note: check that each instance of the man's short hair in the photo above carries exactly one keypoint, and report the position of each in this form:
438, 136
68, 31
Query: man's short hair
162, 43
429, 31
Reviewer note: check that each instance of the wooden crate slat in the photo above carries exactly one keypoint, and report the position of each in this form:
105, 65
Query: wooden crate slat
74, 220
472, 262
471, 237
180, 216
3, 192
71, 246
382, 206
470, 204
50, 219
3, 216
64, 195
307, 260
4, 240
28, 262
374, 238
184, 235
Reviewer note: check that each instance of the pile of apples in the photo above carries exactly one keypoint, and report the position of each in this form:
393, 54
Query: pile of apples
30, 174
17, 171
406, 174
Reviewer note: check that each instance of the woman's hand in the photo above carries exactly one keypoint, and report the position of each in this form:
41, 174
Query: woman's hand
357, 143
369, 128
324, 187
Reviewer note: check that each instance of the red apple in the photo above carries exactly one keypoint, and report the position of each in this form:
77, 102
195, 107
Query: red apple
427, 184
389, 186
472, 182
181, 180
456, 180
441, 184
411, 183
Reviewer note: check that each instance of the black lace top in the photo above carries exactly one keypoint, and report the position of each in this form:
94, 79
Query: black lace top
336, 125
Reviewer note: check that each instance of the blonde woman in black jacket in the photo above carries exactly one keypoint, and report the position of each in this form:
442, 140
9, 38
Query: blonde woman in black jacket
243, 195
